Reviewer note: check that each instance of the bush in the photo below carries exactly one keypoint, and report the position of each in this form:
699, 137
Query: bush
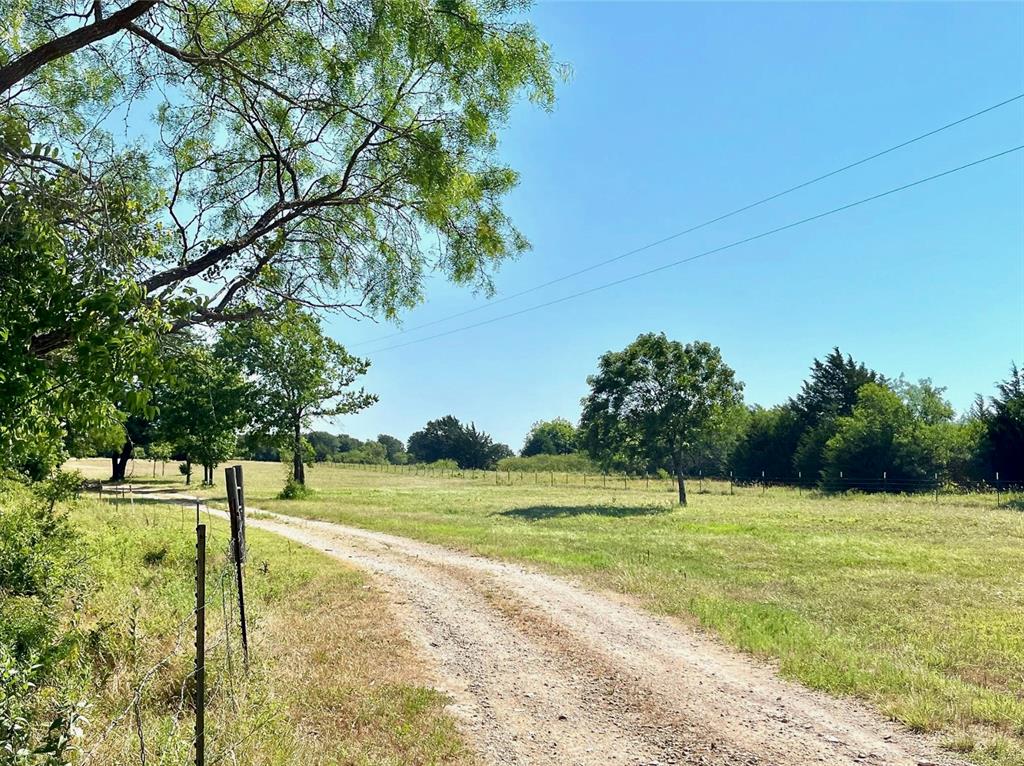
441, 465
41, 573
574, 462
294, 491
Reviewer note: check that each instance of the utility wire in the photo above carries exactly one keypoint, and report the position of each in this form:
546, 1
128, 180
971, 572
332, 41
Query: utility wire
706, 253
692, 229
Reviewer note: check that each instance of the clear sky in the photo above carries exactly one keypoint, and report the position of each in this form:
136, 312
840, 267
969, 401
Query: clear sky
677, 112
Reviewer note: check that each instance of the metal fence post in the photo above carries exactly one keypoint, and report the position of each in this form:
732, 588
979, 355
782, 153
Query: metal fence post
998, 499
200, 666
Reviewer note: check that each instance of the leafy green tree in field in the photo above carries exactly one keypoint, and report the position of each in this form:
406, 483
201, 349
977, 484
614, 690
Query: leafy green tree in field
550, 437
659, 401
394, 448
448, 439
324, 445
829, 393
368, 453
203, 405
905, 431
160, 451
297, 374
437, 440
768, 443
1004, 423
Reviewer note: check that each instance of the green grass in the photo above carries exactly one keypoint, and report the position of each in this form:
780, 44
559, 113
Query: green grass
914, 605
331, 681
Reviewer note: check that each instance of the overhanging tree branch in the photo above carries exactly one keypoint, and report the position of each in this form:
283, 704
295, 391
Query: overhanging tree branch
20, 68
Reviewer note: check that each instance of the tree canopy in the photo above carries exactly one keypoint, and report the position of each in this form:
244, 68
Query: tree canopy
202, 406
448, 439
550, 437
1003, 417
660, 401
296, 374
308, 154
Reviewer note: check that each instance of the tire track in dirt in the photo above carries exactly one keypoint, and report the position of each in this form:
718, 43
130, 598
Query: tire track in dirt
545, 672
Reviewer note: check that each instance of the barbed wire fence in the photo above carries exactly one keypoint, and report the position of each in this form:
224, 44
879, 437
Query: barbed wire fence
219, 594
1002, 491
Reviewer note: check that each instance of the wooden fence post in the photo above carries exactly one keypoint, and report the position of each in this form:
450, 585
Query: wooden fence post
237, 553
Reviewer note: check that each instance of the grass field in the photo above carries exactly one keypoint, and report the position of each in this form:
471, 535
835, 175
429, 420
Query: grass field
331, 680
914, 605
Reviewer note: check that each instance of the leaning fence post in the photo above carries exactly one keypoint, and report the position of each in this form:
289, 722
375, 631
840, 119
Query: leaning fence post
200, 666
238, 553
240, 490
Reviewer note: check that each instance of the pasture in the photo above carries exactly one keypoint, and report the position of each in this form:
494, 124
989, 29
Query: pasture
912, 604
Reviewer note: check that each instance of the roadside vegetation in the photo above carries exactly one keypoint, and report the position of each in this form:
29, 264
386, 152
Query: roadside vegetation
911, 604
106, 639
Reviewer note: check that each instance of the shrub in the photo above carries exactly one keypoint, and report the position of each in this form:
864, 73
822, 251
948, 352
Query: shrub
41, 572
294, 491
574, 462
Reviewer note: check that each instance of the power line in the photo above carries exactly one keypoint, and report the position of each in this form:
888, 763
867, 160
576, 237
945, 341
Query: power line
706, 253
694, 228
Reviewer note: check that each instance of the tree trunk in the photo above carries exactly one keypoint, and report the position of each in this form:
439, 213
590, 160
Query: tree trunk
119, 461
188, 472
298, 466
677, 468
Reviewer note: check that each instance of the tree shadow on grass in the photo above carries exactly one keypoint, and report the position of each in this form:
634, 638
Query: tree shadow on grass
543, 512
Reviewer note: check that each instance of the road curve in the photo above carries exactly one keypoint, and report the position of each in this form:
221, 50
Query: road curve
545, 672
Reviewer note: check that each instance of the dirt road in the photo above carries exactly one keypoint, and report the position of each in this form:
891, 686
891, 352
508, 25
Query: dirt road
543, 671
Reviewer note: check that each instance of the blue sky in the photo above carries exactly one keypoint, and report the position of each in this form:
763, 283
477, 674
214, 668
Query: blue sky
677, 112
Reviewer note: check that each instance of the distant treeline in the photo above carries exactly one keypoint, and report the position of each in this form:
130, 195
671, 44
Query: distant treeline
847, 426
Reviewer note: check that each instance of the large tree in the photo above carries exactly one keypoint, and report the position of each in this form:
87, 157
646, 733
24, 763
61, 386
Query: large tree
550, 437
448, 439
658, 401
202, 407
311, 152
829, 393
1004, 421
314, 154
768, 443
297, 374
